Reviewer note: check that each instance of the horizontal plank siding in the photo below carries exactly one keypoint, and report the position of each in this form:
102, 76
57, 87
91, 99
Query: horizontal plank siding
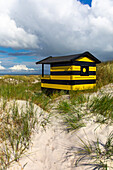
67, 76
68, 82
77, 63
66, 68
70, 68
73, 77
71, 73
56, 86
60, 77
68, 87
78, 77
83, 86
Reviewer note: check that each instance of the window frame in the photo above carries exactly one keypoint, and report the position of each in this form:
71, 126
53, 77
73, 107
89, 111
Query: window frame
84, 73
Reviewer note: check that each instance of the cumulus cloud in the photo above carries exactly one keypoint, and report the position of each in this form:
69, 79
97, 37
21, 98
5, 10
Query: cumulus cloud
12, 35
57, 26
20, 68
1, 67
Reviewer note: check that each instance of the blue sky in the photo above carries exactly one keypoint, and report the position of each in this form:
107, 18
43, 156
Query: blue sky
86, 2
33, 30
10, 57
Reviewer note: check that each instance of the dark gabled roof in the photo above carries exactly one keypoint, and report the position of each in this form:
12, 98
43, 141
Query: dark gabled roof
68, 58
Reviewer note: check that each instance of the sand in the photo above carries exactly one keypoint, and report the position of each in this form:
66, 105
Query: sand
56, 149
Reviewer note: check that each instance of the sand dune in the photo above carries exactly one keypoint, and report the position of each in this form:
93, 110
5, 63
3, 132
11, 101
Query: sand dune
56, 149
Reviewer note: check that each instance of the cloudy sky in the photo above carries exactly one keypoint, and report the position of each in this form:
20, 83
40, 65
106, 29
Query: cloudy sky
33, 29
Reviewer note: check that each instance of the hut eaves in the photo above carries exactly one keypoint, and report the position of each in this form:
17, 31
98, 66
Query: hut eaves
68, 58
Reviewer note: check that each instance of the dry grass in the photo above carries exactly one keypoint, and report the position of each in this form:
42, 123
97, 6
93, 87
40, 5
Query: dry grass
104, 73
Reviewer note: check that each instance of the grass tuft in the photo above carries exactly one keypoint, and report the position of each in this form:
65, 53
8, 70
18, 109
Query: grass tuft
64, 107
72, 117
96, 154
15, 132
77, 97
103, 108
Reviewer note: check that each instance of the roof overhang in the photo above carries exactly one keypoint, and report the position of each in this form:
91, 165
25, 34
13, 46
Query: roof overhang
69, 58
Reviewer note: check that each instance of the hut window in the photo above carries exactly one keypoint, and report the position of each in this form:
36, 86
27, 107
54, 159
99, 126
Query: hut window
84, 70
47, 69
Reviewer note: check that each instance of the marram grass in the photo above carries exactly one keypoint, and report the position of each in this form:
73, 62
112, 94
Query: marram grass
96, 154
104, 73
102, 107
72, 117
16, 127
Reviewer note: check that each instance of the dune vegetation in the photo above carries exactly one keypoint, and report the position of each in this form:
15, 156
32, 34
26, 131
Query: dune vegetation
17, 123
104, 73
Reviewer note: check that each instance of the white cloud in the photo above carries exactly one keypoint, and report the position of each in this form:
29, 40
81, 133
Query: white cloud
20, 68
1, 67
12, 35
58, 26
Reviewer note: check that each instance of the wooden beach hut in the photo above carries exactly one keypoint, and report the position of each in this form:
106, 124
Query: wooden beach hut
72, 72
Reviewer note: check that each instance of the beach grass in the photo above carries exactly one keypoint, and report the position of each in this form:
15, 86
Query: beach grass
26, 87
72, 117
96, 154
17, 126
77, 97
104, 73
102, 107
65, 107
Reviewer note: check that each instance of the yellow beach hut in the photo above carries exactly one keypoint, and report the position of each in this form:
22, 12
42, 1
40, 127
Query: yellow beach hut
71, 72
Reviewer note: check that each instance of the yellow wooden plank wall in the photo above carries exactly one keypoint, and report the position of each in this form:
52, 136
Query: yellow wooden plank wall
68, 87
70, 77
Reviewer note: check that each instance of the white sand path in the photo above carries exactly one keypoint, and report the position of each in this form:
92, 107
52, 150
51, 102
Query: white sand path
55, 148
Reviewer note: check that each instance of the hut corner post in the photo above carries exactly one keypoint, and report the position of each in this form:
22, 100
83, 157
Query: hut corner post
42, 70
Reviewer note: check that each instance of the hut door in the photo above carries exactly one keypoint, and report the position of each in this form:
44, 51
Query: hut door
84, 70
